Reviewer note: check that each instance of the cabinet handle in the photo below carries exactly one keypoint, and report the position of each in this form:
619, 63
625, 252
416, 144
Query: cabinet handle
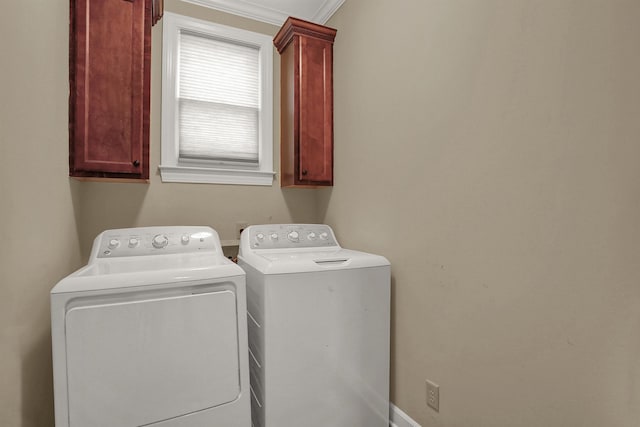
136, 163
304, 172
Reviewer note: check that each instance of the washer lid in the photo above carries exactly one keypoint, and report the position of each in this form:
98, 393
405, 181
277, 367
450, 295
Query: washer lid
134, 363
288, 261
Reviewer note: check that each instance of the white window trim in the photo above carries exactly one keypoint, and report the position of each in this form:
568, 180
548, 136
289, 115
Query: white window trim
171, 169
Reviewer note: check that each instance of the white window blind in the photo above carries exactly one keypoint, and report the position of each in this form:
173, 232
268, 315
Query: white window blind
218, 99
217, 103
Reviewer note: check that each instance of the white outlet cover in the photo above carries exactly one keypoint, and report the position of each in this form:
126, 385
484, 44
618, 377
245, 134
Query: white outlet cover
433, 395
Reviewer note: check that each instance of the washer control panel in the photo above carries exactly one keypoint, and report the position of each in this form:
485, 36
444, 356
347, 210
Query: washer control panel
127, 242
282, 236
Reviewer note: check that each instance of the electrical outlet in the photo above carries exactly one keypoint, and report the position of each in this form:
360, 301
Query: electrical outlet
239, 227
433, 395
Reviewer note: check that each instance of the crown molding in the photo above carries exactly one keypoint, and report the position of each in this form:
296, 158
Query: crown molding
246, 10
266, 14
326, 11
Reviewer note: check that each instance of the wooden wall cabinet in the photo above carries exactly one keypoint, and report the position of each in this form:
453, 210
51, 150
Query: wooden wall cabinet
109, 79
306, 146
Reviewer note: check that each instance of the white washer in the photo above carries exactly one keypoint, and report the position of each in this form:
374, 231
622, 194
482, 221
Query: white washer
318, 329
152, 332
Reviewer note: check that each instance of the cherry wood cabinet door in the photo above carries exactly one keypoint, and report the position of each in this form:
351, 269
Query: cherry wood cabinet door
306, 145
110, 82
316, 111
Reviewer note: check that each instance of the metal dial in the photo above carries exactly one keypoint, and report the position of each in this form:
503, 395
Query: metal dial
160, 241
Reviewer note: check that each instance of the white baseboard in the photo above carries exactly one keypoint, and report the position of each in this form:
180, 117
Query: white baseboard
399, 419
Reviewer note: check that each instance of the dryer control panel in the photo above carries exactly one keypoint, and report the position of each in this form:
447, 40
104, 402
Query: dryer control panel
126, 242
282, 236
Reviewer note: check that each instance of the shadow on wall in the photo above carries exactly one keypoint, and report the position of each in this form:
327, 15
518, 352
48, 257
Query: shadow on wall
37, 383
300, 213
322, 202
107, 205
36, 372
75, 187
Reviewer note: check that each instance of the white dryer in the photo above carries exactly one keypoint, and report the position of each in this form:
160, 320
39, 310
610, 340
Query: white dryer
318, 329
152, 332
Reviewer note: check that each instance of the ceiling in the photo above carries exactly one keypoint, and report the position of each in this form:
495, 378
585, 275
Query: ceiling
276, 11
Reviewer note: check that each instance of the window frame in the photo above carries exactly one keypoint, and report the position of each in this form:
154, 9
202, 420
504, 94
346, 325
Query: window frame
174, 169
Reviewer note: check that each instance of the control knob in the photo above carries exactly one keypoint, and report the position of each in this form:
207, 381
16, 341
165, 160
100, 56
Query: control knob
259, 237
114, 243
293, 236
274, 237
311, 236
133, 242
185, 239
160, 241
324, 235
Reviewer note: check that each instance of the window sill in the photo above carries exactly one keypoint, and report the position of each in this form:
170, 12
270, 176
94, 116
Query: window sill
199, 175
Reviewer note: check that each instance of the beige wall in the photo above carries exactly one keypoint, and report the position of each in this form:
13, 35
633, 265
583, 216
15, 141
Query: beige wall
490, 150
48, 221
38, 204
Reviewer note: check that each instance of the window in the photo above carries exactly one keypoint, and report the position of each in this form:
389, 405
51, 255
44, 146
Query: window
217, 102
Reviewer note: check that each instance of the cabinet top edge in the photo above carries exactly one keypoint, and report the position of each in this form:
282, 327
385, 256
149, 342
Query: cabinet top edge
296, 27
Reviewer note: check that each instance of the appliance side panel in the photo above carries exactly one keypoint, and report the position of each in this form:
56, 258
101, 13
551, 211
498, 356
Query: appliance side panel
59, 357
255, 326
